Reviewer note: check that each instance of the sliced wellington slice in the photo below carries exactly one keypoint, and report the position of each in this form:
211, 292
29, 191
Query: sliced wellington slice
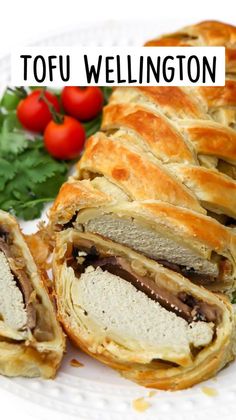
197, 246
31, 339
153, 325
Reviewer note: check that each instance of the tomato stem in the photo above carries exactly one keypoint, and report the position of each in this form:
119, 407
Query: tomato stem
19, 91
56, 116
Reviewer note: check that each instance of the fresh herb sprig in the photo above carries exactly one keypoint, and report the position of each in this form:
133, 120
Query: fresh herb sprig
29, 176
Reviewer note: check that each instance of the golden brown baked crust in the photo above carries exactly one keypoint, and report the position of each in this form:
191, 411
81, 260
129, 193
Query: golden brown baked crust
183, 137
152, 129
215, 191
165, 156
172, 101
162, 138
171, 144
134, 172
29, 356
156, 374
72, 197
210, 33
211, 139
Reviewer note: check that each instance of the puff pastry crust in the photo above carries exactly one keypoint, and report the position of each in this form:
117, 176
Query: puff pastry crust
158, 183
174, 144
210, 33
174, 368
31, 339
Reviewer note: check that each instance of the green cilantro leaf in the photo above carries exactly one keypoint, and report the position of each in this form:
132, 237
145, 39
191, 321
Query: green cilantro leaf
29, 176
9, 100
12, 139
7, 172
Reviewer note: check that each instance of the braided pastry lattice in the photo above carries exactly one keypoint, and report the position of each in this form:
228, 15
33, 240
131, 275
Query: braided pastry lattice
171, 145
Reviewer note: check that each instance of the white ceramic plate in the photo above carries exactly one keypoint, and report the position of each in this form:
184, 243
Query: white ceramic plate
94, 391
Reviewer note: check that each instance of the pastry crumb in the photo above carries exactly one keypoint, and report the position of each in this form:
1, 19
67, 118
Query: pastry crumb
210, 392
140, 404
76, 363
152, 393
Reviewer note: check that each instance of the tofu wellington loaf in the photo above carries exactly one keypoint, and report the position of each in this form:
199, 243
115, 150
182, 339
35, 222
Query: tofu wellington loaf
31, 339
148, 322
145, 228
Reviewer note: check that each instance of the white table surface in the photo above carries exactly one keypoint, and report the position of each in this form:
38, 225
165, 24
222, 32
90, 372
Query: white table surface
23, 21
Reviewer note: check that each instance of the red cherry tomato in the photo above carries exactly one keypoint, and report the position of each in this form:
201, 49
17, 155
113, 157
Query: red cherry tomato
64, 140
82, 103
33, 112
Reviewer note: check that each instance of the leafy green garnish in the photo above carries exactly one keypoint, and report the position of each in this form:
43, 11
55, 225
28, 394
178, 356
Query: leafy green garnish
12, 138
107, 91
29, 176
9, 100
1, 118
